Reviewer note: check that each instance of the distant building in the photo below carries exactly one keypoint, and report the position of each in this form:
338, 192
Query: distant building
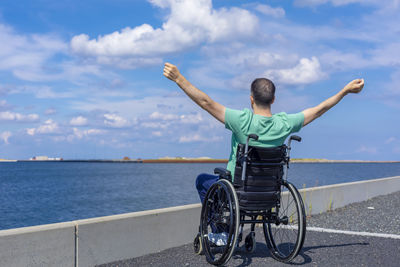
44, 158
40, 158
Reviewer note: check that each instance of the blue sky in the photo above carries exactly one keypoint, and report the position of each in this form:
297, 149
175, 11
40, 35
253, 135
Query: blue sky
83, 79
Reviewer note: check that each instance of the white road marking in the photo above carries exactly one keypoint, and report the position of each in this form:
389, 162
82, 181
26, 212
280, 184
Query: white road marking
324, 230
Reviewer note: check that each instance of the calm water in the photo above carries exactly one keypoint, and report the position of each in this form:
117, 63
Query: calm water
33, 193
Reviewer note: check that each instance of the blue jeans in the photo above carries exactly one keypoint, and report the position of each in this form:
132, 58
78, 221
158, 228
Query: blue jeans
203, 182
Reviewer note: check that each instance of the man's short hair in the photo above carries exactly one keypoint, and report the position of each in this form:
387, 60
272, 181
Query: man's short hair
263, 92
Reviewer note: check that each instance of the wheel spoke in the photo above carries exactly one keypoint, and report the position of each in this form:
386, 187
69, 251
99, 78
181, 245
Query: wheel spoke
221, 214
286, 237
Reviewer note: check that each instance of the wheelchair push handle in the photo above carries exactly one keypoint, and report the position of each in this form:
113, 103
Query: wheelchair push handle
252, 136
295, 138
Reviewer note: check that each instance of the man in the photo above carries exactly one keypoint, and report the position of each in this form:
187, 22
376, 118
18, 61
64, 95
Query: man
272, 129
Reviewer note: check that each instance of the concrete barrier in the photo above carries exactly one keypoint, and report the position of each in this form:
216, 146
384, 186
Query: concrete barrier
324, 198
111, 238
44, 245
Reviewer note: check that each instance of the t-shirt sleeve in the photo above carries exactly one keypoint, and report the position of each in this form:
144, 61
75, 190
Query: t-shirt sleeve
296, 120
233, 119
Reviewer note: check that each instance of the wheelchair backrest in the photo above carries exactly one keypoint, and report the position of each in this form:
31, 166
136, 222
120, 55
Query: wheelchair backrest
264, 172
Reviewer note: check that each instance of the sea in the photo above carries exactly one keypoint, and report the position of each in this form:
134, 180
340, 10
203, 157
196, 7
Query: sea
35, 193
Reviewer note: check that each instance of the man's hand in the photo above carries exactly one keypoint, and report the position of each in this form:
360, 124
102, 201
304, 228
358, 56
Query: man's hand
311, 114
200, 98
171, 72
355, 86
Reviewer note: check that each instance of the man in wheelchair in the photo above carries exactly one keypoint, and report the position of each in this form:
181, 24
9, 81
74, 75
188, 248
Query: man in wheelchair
265, 133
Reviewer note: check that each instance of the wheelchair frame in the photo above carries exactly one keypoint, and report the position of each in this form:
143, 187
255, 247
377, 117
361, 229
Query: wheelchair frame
221, 212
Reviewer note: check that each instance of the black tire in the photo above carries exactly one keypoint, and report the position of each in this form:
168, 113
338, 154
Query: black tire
285, 238
198, 245
250, 242
222, 202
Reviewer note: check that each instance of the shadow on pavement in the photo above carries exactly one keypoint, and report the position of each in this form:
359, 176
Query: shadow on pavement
309, 250
262, 251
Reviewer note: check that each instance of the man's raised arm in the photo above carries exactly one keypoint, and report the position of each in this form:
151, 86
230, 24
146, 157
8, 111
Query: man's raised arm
203, 100
311, 114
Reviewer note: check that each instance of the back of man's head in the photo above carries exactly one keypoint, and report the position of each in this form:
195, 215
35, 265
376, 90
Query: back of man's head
263, 92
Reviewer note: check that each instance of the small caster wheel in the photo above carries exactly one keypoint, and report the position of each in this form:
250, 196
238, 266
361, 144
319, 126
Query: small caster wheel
250, 242
198, 245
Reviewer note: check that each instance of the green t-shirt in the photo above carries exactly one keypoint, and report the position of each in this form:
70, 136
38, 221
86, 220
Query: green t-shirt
271, 131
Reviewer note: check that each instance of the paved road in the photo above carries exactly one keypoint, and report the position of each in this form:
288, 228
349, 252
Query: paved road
378, 215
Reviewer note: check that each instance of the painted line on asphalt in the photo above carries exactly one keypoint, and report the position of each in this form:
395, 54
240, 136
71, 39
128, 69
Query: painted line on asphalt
334, 231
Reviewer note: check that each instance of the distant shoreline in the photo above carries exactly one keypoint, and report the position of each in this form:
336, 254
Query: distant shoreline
196, 161
134, 161
340, 161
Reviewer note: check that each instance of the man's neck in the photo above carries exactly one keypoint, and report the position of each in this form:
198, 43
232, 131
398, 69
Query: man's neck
266, 112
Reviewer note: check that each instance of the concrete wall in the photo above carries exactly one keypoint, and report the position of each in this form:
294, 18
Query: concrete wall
106, 239
44, 245
113, 238
323, 198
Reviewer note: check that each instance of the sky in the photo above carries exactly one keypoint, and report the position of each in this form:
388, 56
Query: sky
83, 79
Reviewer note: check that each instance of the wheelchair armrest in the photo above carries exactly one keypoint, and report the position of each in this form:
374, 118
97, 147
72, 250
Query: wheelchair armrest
223, 173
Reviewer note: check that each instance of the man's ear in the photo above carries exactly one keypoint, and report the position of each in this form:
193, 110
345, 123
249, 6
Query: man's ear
273, 100
252, 101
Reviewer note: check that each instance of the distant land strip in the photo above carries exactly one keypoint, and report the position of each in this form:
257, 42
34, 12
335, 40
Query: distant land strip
340, 161
193, 160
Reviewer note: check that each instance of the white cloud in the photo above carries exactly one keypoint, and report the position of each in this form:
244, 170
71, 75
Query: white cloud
163, 116
387, 55
78, 121
276, 12
79, 134
33, 57
139, 107
305, 72
41, 92
4, 105
335, 60
244, 65
199, 138
26, 54
191, 118
155, 125
94, 131
113, 120
5, 136
367, 149
48, 127
50, 111
156, 133
254, 58
13, 116
390, 140
334, 2
189, 24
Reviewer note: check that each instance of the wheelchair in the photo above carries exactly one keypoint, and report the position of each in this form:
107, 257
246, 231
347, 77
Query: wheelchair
259, 194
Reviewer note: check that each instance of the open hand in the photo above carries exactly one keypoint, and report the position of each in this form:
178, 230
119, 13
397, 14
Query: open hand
355, 86
171, 72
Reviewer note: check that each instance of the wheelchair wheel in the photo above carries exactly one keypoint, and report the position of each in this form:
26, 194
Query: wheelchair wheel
219, 214
250, 242
285, 237
197, 245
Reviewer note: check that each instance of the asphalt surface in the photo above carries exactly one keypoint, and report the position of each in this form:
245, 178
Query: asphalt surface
377, 215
